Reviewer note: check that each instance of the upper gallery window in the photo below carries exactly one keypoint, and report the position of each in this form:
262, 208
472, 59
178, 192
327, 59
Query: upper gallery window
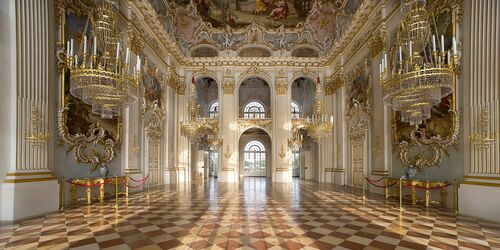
254, 110
214, 110
295, 110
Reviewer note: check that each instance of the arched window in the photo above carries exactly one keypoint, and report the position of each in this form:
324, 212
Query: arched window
214, 110
254, 110
254, 159
295, 110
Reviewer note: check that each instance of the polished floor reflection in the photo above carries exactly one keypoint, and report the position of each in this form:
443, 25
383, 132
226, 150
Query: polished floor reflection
254, 214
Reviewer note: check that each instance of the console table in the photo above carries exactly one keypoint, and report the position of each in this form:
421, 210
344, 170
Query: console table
88, 183
414, 184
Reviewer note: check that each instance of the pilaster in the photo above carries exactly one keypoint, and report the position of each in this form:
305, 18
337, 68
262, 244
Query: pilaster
29, 188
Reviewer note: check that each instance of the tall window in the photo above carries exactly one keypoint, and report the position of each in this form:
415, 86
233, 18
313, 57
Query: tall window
254, 110
214, 110
254, 157
295, 110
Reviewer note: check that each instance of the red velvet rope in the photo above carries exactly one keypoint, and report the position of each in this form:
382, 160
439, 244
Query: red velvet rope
383, 177
380, 186
88, 185
432, 188
124, 183
143, 180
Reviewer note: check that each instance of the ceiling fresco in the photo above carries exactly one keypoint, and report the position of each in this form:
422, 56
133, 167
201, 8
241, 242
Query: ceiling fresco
280, 26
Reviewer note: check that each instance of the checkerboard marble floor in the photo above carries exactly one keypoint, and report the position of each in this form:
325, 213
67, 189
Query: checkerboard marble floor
254, 214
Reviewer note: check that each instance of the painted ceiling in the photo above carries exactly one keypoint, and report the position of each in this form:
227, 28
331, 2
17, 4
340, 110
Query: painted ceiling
308, 27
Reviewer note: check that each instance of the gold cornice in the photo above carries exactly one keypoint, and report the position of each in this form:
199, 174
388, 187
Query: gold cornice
51, 178
477, 183
482, 177
29, 174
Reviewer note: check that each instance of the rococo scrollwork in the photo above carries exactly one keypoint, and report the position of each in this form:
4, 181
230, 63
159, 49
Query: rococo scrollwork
437, 145
80, 142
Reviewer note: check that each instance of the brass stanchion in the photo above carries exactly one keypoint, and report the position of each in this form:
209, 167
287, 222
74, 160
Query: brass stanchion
149, 183
455, 186
61, 194
401, 195
364, 197
116, 192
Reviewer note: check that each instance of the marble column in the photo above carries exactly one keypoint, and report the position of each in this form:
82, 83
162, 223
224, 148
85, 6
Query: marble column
341, 145
29, 187
328, 153
183, 147
228, 156
282, 126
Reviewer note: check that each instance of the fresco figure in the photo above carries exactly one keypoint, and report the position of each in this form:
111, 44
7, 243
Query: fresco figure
261, 6
281, 10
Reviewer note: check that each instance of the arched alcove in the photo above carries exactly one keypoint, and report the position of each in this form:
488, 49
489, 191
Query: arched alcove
257, 92
207, 94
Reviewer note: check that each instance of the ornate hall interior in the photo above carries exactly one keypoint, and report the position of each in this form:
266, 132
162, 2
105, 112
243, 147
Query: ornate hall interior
250, 124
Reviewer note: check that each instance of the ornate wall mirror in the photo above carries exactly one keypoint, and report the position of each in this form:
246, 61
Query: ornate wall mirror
93, 139
425, 145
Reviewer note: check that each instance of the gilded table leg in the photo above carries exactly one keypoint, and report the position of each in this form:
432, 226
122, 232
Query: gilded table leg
89, 192
73, 194
101, 192
443, 197
427, 197
413, 195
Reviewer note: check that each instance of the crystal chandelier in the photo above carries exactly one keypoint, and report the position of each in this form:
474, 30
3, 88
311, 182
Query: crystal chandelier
318, 126
196, 126
102, 77
422, 75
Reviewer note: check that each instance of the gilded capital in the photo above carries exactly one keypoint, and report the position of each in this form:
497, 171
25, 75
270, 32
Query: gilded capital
228, 87
281, 87
377, 43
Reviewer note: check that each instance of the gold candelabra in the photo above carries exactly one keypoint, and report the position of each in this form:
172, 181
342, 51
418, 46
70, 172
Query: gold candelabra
319, 126
422, 75
100, 75
196, 126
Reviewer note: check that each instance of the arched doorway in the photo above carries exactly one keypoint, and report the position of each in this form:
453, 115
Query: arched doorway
204, 156
255, 153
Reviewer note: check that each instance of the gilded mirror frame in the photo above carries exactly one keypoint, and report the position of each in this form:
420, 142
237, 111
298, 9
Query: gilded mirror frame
83, 143
424, 146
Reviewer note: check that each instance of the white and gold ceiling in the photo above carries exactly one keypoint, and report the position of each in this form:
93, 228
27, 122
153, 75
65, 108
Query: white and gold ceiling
253, 28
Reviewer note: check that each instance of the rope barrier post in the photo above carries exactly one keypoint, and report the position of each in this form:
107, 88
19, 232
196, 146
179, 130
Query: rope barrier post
116, 192
149, 183
455, 196
61, 192
126, 187
401, 195
364, 197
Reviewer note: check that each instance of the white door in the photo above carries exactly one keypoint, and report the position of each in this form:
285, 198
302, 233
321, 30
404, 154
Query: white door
308, 165
357, 163
154, 163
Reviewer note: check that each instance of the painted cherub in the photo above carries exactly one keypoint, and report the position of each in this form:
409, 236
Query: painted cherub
281, 10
